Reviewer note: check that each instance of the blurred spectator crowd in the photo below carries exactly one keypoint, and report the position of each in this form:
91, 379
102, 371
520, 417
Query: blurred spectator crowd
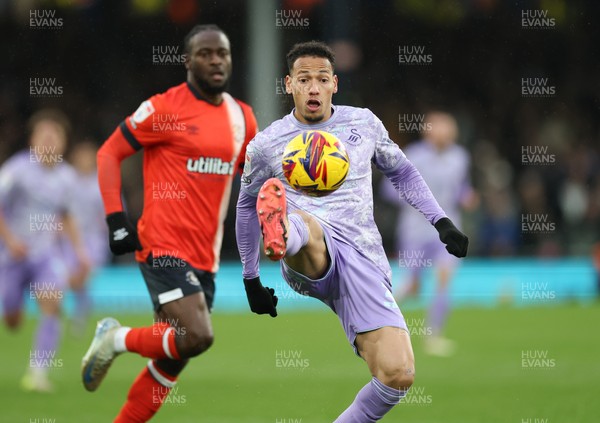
534, 157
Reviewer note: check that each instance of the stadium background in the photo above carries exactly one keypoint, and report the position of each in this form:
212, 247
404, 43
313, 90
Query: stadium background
108, 56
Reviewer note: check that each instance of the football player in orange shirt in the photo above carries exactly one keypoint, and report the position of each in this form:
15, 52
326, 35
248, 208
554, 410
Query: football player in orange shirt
194, 138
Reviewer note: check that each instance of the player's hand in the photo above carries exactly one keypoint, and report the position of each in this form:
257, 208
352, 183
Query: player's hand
456, 242
262, 299
80, 276
17, 249
122, 236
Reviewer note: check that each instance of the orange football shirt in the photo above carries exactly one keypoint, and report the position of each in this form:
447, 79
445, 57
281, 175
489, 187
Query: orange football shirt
192, 149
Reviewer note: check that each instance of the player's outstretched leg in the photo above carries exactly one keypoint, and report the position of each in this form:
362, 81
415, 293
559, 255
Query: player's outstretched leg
437, 344
297, 236
388, 353
46, 340
183, 330
83, 302
111, 339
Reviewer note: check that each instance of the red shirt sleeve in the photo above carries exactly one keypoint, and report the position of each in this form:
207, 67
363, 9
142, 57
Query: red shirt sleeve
109, 158
251, 131
142, 128
137, 131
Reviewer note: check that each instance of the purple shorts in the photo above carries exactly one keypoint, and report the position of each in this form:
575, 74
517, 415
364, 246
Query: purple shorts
39, 278
419, 256
353, 287
97, 251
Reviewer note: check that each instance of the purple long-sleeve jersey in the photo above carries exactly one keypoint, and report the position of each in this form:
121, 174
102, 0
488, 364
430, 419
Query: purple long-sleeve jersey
88, 212
347, 212
446, 172
33, 198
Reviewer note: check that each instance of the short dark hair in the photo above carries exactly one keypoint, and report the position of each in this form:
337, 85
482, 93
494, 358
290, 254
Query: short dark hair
53, 115
197, 29
310, 48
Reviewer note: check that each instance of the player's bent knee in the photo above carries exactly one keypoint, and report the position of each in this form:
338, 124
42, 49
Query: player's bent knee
13, 321
399, 377
195, 343
314, 227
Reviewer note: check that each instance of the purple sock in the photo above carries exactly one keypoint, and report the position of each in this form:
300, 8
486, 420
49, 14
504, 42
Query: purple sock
297, 236
373, 401
46, 341
82, 304
438, 311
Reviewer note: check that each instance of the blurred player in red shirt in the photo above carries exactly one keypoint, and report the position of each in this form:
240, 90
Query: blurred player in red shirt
194, 138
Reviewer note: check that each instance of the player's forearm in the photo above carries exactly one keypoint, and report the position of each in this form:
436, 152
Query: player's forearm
72, 233
5, 234
247, 231
109, 159
412, 188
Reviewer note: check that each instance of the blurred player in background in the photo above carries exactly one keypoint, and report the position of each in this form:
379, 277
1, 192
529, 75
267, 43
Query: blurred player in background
444, 166
330, 247
89, 216
194, 138
36, 209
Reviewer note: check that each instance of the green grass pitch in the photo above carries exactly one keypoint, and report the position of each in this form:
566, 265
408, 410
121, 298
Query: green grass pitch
513, 365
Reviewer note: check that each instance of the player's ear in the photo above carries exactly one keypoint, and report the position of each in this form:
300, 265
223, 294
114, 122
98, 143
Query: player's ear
335, 84
288, 84
186, 61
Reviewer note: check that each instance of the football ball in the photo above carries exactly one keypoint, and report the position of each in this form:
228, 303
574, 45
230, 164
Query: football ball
315, 163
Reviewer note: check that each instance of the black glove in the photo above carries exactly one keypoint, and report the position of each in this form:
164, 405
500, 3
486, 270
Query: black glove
262, 299
122, 237
456, 242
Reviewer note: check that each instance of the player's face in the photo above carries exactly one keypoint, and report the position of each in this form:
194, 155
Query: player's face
442, 130
312, 84
83, 158
209, 61
48, 141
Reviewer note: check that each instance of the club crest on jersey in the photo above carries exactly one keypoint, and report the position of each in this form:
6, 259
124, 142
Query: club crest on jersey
142, 113
355, 138
210, 165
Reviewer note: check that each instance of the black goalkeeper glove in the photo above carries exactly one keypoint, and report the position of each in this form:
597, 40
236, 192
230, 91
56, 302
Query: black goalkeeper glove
262, 299
122, 236
456, 242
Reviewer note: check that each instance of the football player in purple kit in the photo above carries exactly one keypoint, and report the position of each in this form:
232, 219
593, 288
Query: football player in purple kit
89, 215
444, 166
36, 210
329, 247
